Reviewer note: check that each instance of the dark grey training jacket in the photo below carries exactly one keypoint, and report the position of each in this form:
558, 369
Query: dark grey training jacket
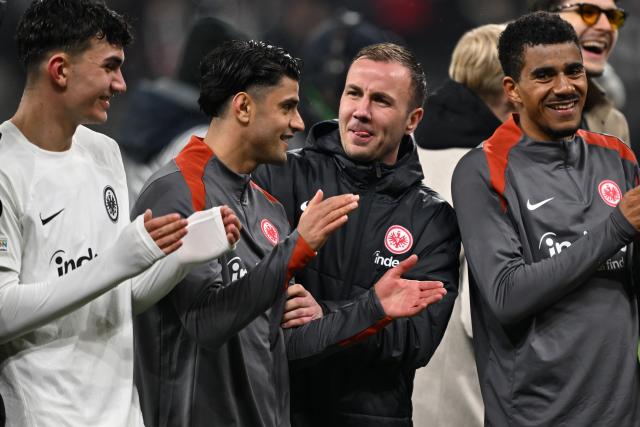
212, 353
554, 308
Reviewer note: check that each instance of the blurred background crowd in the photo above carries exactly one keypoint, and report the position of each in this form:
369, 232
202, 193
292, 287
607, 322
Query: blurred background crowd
324, 33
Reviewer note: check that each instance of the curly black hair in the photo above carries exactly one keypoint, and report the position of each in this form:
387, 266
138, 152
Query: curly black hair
533, 29
69, 25
237, 66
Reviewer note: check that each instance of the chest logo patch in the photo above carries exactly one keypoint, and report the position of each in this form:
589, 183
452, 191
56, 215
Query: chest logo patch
398, 240
270, 231
111, 203
610, 192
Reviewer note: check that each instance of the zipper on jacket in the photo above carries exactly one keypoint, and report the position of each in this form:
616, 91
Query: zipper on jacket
354, 253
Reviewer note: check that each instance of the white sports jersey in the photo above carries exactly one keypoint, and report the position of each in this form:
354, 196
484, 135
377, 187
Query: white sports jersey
59, 211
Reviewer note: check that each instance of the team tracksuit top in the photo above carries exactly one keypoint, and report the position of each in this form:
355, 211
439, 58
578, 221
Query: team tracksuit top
212, 351
369, 384
554, 307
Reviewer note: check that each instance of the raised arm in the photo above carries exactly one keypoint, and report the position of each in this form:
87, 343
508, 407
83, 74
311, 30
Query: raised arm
513, 288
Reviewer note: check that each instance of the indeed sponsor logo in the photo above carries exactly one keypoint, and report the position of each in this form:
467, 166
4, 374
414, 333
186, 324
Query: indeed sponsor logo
549, 240
386, 262
65, 265
236, 268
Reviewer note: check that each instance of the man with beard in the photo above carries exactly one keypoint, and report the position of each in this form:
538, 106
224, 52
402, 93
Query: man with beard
547, 236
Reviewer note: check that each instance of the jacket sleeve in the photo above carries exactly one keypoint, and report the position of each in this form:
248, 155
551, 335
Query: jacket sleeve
512, 288
213, 311
28, 306
337, 329
210, 309
412, 341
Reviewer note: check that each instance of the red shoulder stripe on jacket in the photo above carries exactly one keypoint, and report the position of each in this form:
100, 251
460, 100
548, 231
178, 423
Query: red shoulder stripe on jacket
265, 192
608, 141
191, 161
496, 149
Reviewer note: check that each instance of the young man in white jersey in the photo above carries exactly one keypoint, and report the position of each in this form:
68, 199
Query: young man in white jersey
67, 248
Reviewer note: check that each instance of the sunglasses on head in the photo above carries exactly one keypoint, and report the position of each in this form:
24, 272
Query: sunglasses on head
590, 13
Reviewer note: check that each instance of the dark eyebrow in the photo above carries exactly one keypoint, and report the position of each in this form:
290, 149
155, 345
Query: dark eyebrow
545, 71
382, 96
290, 102
113, 61
574, 66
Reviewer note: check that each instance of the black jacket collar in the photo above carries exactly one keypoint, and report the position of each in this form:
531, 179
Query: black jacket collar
324, 138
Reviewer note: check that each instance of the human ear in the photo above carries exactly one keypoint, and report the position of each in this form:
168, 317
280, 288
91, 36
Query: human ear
413, 120
512, 90
58, 69
242, 107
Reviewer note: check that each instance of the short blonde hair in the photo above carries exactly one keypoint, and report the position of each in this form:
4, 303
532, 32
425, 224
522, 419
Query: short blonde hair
475, 63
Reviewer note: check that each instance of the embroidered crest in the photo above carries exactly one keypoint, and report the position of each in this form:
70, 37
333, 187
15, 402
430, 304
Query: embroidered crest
111, 203
398, 240
610, 192
270, 231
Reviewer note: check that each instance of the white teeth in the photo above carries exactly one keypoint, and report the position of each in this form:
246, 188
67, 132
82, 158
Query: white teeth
566, 106
594, 46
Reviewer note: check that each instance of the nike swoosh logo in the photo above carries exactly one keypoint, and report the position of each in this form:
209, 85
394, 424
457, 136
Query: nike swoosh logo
304, 206
45, 221
537, 205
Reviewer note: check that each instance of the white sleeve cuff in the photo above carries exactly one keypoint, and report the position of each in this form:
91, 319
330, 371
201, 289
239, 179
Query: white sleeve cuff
152, 252
206, 238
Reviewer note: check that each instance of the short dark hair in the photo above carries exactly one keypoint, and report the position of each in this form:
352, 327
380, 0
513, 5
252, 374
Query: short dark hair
533, 29
69, 25
391, 52
546, 5
238, 66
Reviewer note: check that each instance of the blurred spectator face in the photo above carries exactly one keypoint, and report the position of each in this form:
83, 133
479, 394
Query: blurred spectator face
596, 31
374, 111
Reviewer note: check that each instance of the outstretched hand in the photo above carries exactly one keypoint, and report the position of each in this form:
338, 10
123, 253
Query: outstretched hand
404, 298
166, 231
322, 217
231, 223
300, 308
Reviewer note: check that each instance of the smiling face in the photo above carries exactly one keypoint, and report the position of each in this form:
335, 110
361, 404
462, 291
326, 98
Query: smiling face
596, 41
276, 119
551, 91
375, 110
94, 76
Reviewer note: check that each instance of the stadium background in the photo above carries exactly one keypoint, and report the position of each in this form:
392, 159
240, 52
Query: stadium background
429, 27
